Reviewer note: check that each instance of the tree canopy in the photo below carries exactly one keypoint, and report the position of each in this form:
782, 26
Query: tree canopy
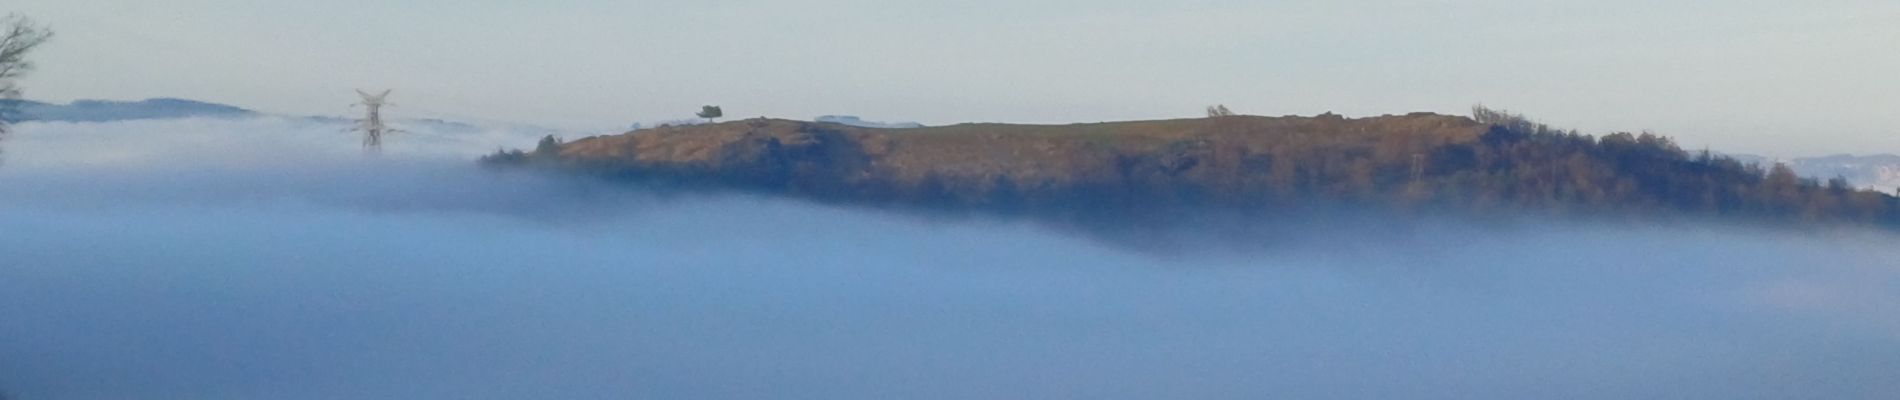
711, 112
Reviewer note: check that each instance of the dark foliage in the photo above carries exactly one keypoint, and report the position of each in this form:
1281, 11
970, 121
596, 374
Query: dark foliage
547, 151
1523, 163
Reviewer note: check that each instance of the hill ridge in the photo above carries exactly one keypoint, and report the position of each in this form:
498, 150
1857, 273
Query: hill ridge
1420, 161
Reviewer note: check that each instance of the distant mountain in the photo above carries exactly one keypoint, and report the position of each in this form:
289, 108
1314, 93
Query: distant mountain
108, 111
431, 124
853, 120
1879, 172
172, 108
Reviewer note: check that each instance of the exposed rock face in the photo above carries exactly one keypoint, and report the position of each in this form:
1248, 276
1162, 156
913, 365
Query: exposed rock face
1212, 159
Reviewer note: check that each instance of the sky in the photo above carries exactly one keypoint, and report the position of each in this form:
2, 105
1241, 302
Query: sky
1777, 78
134, 266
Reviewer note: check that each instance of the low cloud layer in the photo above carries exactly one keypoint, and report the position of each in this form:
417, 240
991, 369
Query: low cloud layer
200, 259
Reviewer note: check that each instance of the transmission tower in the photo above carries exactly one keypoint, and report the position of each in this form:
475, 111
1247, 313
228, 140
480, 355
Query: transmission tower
372, 123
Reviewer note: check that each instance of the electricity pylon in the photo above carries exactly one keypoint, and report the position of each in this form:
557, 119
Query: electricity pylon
372, 124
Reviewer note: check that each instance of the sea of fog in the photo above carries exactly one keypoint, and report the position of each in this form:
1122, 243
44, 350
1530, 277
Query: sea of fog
270, 259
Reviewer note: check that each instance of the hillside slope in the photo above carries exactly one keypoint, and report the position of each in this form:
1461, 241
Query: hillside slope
1123, 169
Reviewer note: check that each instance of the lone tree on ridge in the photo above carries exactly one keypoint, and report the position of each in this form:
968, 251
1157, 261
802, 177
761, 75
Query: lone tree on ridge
711, 112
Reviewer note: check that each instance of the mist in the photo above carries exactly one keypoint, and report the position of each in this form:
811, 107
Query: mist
269, 258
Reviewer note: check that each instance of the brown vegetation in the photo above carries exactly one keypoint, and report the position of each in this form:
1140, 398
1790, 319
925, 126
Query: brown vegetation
1419, 161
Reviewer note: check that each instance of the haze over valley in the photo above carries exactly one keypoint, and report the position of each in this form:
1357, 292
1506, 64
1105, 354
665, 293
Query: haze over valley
302, 270
841, 199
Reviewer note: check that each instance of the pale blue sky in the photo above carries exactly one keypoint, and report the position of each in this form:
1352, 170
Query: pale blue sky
1774, 77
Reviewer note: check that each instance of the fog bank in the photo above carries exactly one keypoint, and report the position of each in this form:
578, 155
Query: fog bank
287, 266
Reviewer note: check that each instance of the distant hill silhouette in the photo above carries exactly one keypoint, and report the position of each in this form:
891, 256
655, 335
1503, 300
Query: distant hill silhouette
95, 111
1879, 172
1495, 162
108, 111
853, 120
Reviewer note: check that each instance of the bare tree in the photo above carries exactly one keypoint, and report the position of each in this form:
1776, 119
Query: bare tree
1219, 110
18, 36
